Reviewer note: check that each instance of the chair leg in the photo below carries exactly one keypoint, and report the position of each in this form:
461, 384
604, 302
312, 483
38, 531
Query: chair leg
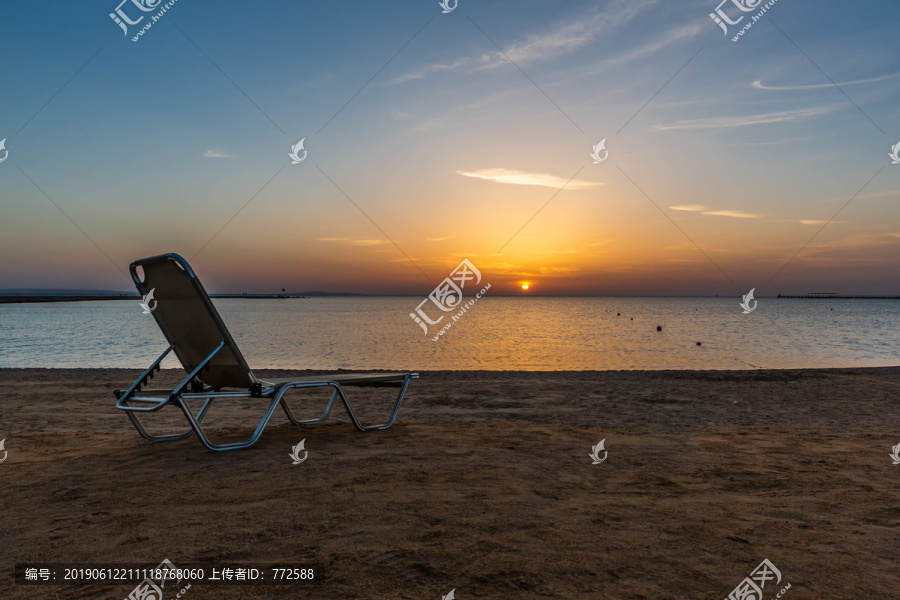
290, 415
338, 390
167, 438
195, 425
391, 419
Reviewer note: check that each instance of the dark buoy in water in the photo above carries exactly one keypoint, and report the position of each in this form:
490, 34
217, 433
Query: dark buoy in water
659, 327
699, 344
618, 314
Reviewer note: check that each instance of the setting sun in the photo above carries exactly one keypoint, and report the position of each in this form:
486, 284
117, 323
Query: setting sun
525, 286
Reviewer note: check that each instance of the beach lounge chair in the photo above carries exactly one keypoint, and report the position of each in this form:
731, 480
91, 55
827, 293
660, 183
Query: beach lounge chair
215, 367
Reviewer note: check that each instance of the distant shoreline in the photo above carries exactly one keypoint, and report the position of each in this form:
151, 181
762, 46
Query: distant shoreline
34, 299
833, 297
64, 298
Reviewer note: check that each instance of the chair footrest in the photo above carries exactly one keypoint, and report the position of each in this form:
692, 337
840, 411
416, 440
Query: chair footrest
154, 404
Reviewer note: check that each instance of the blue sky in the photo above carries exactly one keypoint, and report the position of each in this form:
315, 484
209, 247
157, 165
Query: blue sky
749, 149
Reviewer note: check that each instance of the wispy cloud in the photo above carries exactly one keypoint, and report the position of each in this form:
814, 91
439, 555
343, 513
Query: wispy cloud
674, 36
883, 194
758, 84
524, 178
427, 70
772, 142
744, 121
562, 251
354, 241
568, 37
699, 208
216, 154
564, 38
737, 214
559, 270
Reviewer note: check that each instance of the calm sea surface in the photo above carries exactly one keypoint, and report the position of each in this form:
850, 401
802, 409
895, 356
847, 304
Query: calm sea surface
496, 333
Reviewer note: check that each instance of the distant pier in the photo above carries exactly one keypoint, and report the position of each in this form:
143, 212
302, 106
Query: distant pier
835, 296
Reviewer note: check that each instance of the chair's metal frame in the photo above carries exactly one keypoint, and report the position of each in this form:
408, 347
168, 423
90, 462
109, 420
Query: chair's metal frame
179, 397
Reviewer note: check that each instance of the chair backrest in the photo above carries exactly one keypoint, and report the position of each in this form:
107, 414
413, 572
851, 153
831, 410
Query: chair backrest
190, 322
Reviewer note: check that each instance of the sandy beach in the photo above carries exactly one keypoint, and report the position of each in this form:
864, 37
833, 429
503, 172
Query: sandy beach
483, 485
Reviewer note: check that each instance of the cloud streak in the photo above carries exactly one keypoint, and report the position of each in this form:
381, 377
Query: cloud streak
516, 177
745, 121
676, 35
355, 241
789, 88
562, 39
568, 37
737, 214
699, 208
